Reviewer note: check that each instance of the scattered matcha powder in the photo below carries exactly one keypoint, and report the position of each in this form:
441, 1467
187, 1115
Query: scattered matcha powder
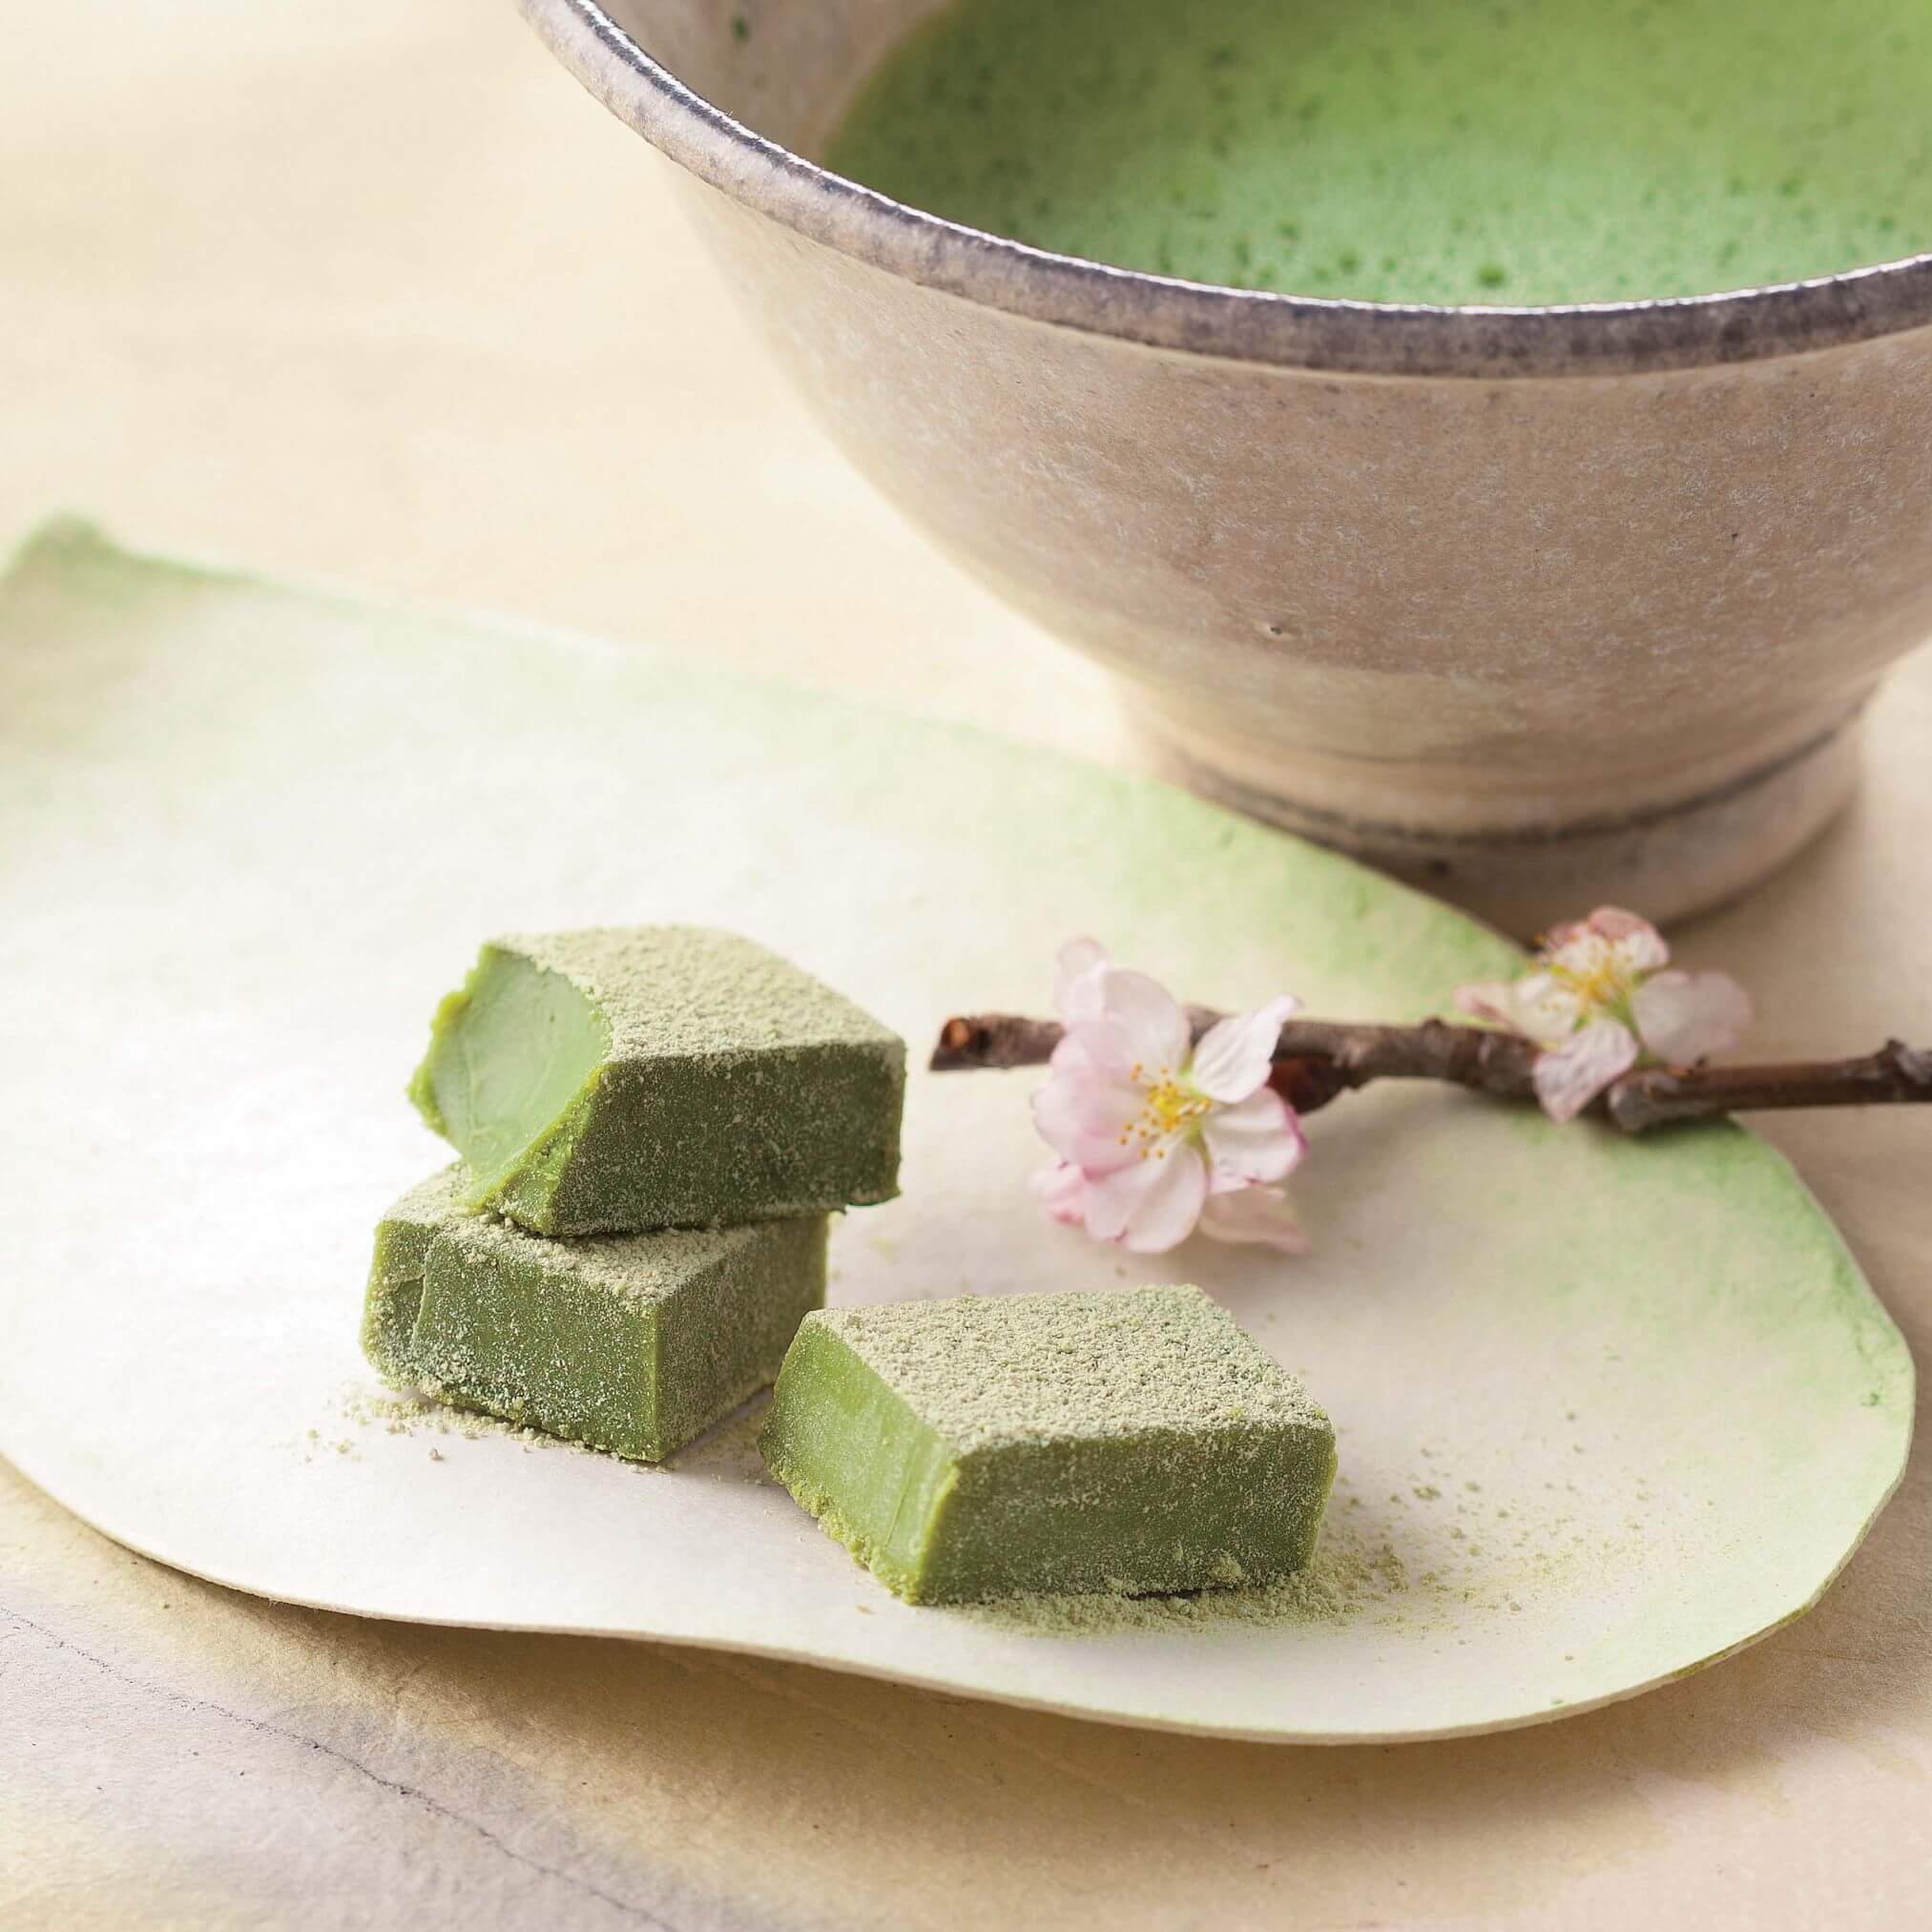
1349, 1578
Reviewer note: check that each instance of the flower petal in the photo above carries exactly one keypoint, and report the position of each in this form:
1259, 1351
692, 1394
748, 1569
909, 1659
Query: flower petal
1683, 1017
1076, 991
1152, 1205
1546, 1010
1569, 1077
1254, 1215
1491, 1000
1639, 947
1581, 951
1062, 1189
1236, 1053
1094, 1049
1538, 1006
1087, 1120
1149, 1017
1256, 1139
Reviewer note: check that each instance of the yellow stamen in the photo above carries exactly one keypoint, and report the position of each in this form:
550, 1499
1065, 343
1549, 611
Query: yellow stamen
1167, 1110
1601, 985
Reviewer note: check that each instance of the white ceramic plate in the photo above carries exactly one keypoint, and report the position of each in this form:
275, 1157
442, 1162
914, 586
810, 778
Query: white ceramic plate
1608, 1410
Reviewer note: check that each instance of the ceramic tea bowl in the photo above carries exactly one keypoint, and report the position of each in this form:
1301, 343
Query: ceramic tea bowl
1537, 607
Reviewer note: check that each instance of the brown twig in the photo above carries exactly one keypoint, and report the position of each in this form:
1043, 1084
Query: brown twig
1318, 1060
1895, 1076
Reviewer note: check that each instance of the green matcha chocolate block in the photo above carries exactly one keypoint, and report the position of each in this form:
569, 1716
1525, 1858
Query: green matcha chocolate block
629, 1342
403, 1236
1135, 1441
611, 1081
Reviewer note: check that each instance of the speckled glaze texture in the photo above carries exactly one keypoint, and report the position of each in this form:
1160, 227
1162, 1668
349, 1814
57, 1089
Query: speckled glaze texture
1532, 605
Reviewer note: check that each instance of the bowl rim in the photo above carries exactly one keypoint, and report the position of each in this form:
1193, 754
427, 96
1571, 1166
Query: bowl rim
1288, 331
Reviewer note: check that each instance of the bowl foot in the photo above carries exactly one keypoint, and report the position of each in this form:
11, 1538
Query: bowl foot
1665, 861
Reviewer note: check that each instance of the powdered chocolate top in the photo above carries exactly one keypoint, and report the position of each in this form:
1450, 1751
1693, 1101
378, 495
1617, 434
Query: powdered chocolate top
435, 1202
688, 990
988, 1370
637, 1266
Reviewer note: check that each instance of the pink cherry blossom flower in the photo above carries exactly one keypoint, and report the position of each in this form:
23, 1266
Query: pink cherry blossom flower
1598, 1000
1157, 1135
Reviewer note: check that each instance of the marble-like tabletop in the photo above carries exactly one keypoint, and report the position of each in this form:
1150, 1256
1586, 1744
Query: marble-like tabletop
372, 291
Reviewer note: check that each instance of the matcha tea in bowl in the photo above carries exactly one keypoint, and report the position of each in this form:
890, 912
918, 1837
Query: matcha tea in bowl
1493, 441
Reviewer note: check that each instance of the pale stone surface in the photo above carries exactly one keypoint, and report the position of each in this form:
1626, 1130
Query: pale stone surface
374, 291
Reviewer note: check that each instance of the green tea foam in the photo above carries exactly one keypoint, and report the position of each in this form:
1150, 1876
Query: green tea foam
1545, 150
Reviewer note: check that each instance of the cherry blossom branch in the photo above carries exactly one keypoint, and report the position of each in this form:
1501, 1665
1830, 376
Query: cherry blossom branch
1316, 1061
1895, 1076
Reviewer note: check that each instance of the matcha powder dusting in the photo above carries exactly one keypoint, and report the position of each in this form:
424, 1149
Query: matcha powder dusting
1003, 1446
1347, 1579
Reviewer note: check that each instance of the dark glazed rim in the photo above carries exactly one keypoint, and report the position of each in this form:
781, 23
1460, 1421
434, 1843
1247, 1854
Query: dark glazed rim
1306, 332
